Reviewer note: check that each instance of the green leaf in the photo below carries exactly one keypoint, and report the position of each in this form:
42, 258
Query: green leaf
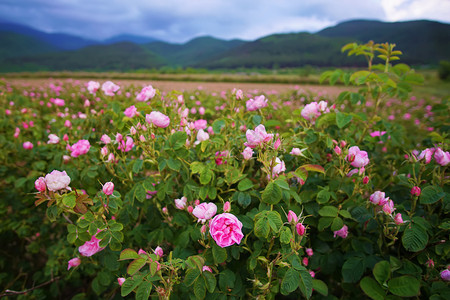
115, 227
178, 140
313, 168
210, 281
174, 164
342, 119
323, 196
137, 166
245, 184
143, 291
128, 254
226, 280
244, 199
219, 253
129, 285
69, 200
431, 194
272, 194
372, 289
337, 224
275, 221
320, 287
140, 193
404, 286
218, 125
290, 281
262, 228
191, 276
353, 269
328, 211
286, 235
136, 265
325, 222
153, 268
200, 289
414, 238
206, 176
306, 283
382, 271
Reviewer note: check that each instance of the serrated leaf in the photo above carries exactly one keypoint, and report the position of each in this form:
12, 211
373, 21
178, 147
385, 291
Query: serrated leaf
414, 238
372, 289
342, 119
274, 220
272, 194
210, 281
325, 222
219, 253
382, 271
128, 254
174, 164
404, 286
290, 281
140, 193
431, 194
320, 287
191, 276
144, 290
129, 285
306, 283
200, 289
353, 269
69, 200
136, 265
262, 228
337, 224
245, 184
286, 235
328, 211
137, 165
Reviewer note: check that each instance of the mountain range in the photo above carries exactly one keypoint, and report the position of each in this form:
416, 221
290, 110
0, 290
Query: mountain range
26, 49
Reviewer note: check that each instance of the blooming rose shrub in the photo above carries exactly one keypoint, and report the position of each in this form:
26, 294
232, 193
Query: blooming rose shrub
271, 202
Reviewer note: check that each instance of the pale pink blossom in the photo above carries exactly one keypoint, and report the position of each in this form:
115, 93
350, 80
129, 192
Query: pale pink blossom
57, 180
108, 188
427, 154
388, 207
93, 87
309, 252
74, 262
104, 151
91, 247
441, 157
105, 139
27, 145
79, 148
226, 230
180, 203
278, 167
377, 198
257, 137
311, 111
398, 219
277, 144
158, 119
201, 136
343, 232
377, 133
206, 268
53, 139
146, 93
296, 152
127, 145
40, 185
292, 217
159, 251
227, 206
131, 111
120, 280
204, 211
356, 157
257, 103
247, 153
200, 124
109, 88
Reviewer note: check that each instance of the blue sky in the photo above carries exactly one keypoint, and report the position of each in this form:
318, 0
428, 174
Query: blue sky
182, 20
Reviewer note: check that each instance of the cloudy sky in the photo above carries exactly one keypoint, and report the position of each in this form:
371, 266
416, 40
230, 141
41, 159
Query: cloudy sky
182, 20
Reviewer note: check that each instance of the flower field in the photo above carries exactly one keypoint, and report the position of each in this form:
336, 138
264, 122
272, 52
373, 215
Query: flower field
113, 191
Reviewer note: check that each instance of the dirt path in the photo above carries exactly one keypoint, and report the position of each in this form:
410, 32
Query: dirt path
167, 86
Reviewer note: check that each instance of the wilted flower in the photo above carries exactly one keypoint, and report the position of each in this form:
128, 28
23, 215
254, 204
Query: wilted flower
343, 232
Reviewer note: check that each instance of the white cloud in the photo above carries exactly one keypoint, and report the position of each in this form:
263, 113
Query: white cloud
402, 10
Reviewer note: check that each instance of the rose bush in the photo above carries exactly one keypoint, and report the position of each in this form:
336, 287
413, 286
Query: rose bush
237, 195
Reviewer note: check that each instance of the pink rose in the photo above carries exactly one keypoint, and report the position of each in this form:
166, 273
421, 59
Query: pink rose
377, 198
247, 153
415, 191
292, 217
108, 188
109, 88
159, 251
227, 206
93, 86
104, 151
204, 211
120, 280
398, 219
91, 247
388, 207
300, 229
257, 103
309, 252
445, 275
277, 144
257, 137
27, 145
180, 203
278, 167
296, 152
427, 154
442, 158
79, 148
206, 268
105, 139
200, 124
53, 139
357, 158
130, 111
343, 232
74, 262
201, 136
57, 180
158, 119
226, 230
311, 111
40, 185
146, 94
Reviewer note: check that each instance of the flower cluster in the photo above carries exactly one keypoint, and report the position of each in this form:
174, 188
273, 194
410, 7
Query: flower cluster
386, 205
